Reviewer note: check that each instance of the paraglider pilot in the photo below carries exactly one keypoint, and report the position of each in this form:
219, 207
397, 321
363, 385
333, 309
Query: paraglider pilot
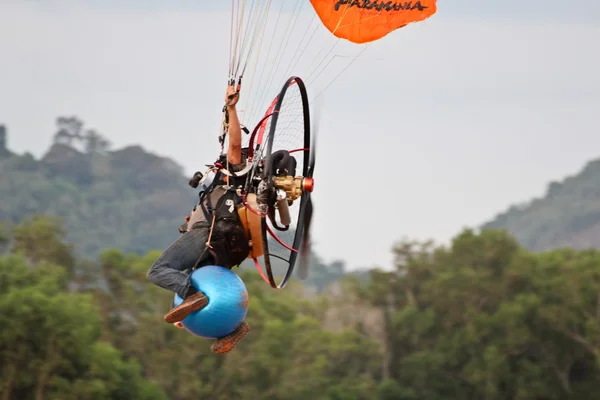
214, 235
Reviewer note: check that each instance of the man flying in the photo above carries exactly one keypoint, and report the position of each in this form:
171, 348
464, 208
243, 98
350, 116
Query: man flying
214, 235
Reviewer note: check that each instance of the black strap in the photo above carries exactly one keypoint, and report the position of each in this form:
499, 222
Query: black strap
204, 196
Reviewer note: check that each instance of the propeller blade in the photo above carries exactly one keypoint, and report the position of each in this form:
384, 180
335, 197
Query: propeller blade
305, 251
316, 119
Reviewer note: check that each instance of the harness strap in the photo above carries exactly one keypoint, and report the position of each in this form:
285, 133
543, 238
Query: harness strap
210, 232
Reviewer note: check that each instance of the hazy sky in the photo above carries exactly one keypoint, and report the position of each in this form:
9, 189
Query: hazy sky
436, 127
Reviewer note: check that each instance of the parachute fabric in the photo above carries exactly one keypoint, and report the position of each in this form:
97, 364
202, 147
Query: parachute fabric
362, 21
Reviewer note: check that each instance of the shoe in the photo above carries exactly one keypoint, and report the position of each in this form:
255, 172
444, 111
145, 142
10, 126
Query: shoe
194, 302
228, 343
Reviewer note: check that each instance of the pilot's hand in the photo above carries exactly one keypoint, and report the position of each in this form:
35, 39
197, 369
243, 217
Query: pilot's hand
232, 96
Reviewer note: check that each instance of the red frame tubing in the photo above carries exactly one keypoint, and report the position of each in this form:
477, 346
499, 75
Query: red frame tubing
256, 263
259, 126
263, 124
259, 269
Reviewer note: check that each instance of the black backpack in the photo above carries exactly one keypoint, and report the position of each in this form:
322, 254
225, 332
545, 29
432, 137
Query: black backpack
229, 245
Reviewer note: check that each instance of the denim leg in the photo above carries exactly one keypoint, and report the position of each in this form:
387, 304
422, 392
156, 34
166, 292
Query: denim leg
168, 271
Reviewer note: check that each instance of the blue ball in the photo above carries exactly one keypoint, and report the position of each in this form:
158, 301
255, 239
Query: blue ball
227, 302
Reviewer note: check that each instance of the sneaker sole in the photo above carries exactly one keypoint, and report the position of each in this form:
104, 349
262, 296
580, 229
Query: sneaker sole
220, 347
178, 314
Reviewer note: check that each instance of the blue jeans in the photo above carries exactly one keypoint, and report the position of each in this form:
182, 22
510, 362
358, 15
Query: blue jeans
170, 271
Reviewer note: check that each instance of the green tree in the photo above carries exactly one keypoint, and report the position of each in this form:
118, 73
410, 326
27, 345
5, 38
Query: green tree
49, 341
42, 238
485, 319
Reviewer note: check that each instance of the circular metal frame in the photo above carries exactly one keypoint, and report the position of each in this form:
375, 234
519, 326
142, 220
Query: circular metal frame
262, 172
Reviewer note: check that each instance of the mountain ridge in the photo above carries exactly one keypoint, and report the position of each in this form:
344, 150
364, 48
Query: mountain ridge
134, 200
567, 215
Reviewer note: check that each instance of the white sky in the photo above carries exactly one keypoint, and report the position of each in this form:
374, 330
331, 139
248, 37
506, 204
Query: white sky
436, 127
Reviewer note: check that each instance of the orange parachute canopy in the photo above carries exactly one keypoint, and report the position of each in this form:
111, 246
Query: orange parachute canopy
362, 21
